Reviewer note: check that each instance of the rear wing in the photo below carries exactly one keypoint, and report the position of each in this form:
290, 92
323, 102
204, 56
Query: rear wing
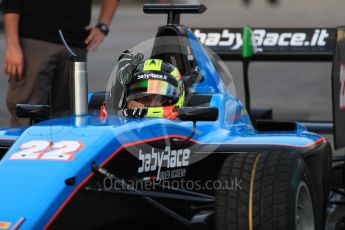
288, 44
291, 44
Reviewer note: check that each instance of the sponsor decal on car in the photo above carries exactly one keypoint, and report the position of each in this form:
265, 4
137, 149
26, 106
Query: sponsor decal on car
5, 225
171, 159
172, 174
275, 40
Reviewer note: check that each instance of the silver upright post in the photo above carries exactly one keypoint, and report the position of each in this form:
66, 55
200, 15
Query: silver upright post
78, 81
79, 88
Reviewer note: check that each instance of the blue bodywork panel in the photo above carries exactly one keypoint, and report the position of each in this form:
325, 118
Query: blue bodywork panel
11, 133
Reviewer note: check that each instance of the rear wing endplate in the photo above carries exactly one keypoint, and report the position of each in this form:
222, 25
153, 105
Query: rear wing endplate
290, 44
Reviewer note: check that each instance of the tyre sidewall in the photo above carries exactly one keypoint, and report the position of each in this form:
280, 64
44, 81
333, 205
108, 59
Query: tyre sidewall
300, 173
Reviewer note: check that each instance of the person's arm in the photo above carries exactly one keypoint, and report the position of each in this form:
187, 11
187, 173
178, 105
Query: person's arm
108, 9
14, 61
96, 36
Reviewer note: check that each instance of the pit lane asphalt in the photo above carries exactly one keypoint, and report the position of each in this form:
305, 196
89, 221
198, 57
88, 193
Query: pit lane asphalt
294, 90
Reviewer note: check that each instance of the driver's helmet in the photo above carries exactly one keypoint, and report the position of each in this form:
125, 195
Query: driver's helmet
160, 86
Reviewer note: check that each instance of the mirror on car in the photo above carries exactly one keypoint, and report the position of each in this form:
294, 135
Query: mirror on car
34, 112
198, 114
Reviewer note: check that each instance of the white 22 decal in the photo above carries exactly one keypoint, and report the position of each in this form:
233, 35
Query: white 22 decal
45, 150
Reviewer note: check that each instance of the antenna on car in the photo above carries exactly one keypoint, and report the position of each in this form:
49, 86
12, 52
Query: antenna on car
174, 11
69, 50
79, 82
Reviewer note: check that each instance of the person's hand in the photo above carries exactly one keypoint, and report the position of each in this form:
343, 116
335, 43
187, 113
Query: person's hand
14, 62
134, 104
135, 110
94, 39
135, 113
128, 62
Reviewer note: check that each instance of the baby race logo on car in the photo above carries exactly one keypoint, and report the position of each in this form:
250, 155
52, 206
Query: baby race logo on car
174, 161
270, 39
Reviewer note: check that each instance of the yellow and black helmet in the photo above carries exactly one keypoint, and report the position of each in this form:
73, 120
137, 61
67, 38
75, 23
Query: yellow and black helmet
155, 77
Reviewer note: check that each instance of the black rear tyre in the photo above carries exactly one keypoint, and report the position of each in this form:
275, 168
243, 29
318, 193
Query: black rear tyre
274, 192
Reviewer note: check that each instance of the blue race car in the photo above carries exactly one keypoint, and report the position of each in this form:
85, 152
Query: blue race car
210, 168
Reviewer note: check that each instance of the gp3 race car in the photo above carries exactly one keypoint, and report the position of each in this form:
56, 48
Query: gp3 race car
220, 165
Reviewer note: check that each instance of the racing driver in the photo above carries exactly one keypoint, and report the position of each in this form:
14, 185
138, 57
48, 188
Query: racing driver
153, 89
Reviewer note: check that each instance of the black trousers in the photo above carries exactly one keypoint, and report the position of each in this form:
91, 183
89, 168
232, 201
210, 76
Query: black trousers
45, 80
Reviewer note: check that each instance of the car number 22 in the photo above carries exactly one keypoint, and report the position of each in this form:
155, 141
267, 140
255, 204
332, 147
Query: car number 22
46, 150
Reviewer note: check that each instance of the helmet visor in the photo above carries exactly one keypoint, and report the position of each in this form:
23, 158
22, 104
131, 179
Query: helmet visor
148, 87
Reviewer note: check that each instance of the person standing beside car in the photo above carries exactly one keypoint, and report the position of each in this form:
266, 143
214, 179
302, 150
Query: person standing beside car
35, 59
